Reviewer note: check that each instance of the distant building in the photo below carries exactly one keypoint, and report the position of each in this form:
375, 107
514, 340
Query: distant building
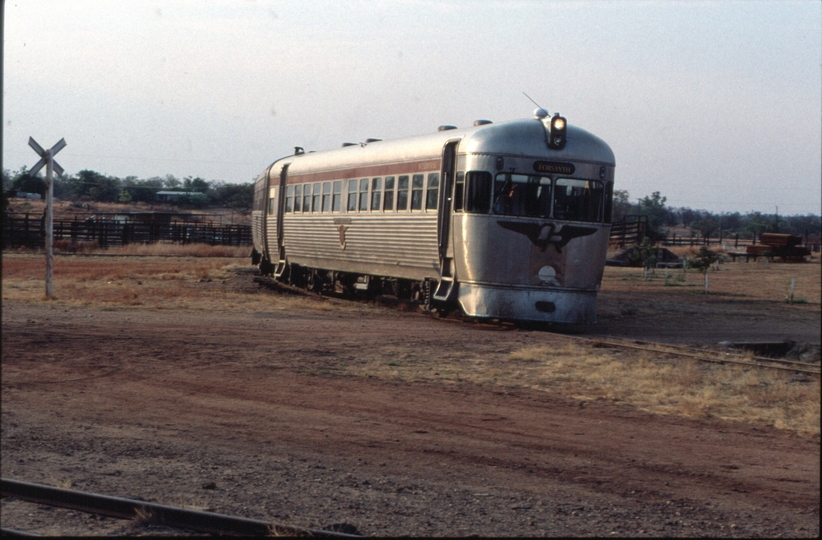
24, 195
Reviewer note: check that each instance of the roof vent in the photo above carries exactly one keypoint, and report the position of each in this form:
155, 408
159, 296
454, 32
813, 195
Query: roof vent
349, 144
446, 127
482, 122
372, 140
298, 150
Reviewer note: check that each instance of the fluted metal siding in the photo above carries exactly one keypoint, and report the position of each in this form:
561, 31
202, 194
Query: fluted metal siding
271, 236
403, 241
257, 230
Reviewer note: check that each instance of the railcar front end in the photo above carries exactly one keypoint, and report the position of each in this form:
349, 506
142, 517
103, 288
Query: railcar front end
531, 235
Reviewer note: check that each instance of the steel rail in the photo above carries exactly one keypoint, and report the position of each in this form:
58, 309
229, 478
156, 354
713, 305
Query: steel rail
665, 348
116, 507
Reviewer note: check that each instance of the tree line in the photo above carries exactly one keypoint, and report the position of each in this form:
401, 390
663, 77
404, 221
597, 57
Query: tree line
92, 186
705, 224
89, 185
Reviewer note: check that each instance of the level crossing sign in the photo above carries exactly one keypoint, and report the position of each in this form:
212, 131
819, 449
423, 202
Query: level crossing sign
47, 159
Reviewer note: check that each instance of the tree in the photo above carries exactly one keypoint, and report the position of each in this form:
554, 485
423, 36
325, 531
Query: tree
654, 207
195, 184
622, 205
23, 181
237, 196
705, 226
703, 261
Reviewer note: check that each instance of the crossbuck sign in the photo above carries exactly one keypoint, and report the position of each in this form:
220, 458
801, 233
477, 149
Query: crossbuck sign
47, 159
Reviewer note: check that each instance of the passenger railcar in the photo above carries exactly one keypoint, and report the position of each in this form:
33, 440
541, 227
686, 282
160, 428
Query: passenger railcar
504, 220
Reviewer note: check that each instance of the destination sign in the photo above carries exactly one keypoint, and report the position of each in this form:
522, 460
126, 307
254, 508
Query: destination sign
554, 167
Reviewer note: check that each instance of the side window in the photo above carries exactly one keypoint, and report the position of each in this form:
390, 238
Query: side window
433, 189
335, 200
459, 191
352, 195
376, 193
298, 197
316, 206
306, 197
326, 196
402, 193
289, 198
388, 200
416, 191
364, 194
478, 192
272, 206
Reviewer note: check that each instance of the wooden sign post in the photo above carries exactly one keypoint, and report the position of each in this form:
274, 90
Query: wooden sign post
47, 159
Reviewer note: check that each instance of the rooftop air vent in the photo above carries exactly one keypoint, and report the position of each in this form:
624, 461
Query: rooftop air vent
372, 140
349, 144
482, 122
446, 127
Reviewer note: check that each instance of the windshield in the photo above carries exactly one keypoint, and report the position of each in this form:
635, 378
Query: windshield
538, 196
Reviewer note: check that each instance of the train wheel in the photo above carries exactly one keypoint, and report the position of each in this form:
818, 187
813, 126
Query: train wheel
266, 268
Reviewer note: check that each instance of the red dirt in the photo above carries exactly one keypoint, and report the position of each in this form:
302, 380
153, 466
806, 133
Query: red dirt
252, 414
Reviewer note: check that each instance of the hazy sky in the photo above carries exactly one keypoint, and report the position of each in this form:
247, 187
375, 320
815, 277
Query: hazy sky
717, 105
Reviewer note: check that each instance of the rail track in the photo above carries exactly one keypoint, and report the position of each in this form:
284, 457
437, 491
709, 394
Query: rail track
716, 357
178, 518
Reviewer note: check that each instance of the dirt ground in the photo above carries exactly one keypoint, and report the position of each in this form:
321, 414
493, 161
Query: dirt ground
257, 407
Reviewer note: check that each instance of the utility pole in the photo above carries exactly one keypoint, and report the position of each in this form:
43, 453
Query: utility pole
47, 159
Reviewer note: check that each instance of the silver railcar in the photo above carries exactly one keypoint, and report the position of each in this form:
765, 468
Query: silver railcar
504, 220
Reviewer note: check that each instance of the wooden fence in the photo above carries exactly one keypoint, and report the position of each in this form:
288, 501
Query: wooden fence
25, 230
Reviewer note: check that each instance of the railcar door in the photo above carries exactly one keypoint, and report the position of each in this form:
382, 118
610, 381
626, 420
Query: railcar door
445, 288
281, 264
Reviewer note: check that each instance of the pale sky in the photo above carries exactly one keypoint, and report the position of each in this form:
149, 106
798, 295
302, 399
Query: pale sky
717, 105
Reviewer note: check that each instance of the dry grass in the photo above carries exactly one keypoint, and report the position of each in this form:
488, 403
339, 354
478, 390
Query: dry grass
193, 283
760, 281
647, 380
161, 249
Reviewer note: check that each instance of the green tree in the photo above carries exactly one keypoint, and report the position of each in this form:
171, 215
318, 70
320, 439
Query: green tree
23, 181
705, 227
702, 262
195, 184
622, 205
654, 207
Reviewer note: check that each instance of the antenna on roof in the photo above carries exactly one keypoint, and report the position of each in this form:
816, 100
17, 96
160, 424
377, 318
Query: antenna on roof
540, 112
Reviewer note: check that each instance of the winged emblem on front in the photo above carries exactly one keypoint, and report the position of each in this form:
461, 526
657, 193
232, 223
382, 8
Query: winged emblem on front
544, 234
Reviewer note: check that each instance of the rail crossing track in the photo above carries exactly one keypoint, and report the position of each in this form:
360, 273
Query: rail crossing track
128, 509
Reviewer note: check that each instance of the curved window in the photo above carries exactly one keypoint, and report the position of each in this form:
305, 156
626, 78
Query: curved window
522, 195
578, 200
569, 199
